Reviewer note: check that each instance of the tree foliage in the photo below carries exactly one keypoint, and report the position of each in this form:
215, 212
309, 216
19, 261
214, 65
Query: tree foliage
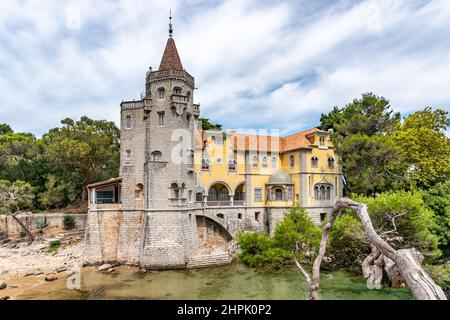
59, 165
15, 196
425, 148
438, 200
261, 251
362, 137
207, 125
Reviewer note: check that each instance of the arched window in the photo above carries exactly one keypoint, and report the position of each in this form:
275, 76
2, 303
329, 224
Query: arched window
177, 91
188, 96
278, 194
330, 162
161, 93
316, 192
314, 162
239, 215
175, 191
223, 194
322, 191
220, 215
156, 156
212, 194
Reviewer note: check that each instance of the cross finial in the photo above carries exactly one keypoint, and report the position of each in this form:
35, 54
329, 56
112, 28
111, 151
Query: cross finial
170, 23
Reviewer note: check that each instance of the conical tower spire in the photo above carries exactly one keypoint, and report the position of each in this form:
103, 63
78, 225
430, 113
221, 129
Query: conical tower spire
171, 59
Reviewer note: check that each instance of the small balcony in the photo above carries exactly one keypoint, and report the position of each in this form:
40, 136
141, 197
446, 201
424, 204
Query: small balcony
218, 203
178, 98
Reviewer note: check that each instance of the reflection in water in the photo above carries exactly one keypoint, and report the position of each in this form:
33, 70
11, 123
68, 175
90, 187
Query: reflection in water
228, 282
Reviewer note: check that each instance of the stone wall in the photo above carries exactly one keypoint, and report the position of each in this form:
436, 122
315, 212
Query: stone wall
33, 220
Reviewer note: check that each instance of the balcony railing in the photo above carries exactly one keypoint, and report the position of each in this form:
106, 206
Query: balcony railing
218, 203
178, 98
239, 202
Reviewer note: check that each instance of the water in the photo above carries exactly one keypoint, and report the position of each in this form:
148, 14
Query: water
228, 282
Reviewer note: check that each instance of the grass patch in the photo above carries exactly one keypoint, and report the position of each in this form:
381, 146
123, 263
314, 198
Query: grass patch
54, 246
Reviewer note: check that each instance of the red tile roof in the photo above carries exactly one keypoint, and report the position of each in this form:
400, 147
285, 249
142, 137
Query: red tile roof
171, 59
264, 143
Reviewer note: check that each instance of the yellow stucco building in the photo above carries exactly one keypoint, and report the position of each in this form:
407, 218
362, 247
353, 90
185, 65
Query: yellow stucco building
263, 171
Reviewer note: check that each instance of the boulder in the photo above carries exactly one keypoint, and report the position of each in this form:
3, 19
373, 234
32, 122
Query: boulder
51, 277
3, 285
4, 298
61, 269
110, 270
104, 267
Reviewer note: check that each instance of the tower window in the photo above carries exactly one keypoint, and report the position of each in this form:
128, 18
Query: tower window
128, 118
314, 162
177, 91
156, 156
161, 93
199, 197
161, 118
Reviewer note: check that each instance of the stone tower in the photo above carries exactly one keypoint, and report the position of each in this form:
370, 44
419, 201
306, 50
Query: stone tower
157, 167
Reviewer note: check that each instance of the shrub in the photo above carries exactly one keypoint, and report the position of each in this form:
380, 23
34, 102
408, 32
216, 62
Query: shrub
261, 251
414, 226
69, 222
438, 200
348, 245
54, 245
441, 275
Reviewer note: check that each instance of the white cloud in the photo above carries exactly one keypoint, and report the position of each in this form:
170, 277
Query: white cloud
256, 64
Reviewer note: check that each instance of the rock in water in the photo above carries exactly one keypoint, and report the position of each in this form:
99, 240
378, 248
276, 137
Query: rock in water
50, 277
3, 285
106, 266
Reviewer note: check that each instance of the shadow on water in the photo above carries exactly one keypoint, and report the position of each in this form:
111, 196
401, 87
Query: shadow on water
228, 282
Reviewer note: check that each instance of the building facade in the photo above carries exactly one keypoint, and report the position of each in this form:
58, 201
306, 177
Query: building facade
184, 193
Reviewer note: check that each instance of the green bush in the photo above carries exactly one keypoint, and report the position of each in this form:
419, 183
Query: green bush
348, 245
261, 251
54, 246
441, 275
69, 222
438, 200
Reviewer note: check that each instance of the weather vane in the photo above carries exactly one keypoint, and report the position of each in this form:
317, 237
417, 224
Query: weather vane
170, 24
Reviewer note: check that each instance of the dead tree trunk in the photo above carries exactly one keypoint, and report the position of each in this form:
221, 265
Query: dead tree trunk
24, 227
421, 284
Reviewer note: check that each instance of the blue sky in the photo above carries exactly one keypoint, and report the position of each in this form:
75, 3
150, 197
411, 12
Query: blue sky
257, 64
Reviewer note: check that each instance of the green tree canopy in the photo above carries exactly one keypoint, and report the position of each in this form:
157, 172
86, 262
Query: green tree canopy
15, 196
84, 151
425, 148
362, 137
206, 125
